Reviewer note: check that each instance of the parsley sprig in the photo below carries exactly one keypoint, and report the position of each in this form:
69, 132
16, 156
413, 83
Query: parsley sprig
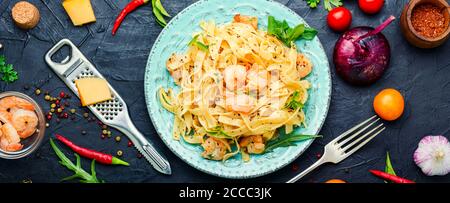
217, 132
328, 4
7, 72
286, 34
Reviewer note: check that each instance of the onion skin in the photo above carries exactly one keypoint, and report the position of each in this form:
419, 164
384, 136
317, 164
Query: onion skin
361, 61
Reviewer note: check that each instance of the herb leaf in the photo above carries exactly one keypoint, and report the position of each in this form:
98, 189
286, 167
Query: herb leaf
327, 4
198, 44
159, 12
286, 34
79, 172
312, 3
294, 103
8, 74
217, 132
389, 169
286, 140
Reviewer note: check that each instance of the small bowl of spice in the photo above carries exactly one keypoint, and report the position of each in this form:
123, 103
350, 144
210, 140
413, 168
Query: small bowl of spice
425, 23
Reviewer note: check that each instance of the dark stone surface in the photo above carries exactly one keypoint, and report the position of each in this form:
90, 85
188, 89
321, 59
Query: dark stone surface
421, 75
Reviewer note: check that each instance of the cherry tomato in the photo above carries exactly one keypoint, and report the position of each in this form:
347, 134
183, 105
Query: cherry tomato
339, 19
335, 181
389, 104
370, 6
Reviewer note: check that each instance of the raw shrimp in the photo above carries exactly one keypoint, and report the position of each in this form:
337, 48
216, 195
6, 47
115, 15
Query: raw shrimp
254, 144
234, 77
239, 102
304, 66
9, 140
25, 122
9, 105
214, 149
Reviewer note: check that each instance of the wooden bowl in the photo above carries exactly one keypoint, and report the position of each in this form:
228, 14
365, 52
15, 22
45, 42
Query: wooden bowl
413, 36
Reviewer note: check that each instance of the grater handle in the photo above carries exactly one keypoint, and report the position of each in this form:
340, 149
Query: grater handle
146, 149
71, 62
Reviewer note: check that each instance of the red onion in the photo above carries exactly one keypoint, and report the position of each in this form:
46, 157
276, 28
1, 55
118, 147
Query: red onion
362, 54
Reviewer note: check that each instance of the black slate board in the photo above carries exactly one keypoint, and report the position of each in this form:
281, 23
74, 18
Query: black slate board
421, 75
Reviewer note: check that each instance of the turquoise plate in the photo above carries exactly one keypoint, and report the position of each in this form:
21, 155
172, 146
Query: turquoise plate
175, 37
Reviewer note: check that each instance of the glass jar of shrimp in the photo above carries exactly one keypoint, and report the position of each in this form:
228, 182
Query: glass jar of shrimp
22, 125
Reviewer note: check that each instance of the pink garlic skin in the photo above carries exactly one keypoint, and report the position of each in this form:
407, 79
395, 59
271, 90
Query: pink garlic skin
433, 155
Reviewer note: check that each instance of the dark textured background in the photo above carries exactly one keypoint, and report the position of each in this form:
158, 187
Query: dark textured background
421, 75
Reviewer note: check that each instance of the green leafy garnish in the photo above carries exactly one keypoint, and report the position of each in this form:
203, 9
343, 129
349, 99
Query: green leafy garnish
312, 3
217, 132
287, 140
326, 3
198, 44
160, 12
293, 102
8, 74
286, 34
80, 173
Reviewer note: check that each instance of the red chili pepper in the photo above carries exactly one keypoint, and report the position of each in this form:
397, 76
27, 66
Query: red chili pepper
92, 154
390, 177
128, 9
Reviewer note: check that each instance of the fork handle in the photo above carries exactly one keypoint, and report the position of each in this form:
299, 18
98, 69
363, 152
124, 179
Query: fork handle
309, 169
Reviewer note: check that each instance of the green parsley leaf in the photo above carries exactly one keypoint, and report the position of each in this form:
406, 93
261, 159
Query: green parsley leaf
312, 3
198, 44
7, 72
327, 4
286, 34
293, 102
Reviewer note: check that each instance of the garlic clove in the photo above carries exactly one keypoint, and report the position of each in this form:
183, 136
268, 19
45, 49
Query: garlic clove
433, 155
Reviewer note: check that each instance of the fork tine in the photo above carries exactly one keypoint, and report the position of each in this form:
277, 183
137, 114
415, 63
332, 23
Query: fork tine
352, 129
361, 138
363, 143
357, 133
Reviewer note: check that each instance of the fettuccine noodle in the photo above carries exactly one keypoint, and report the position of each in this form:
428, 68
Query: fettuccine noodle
238, 85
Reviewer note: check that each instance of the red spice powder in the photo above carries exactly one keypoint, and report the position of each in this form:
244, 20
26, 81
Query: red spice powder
428, 20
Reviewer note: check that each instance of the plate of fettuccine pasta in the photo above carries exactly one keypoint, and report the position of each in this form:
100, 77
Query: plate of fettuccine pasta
238, 89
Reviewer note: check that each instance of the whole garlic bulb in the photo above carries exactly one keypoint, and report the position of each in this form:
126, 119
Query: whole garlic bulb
433, 155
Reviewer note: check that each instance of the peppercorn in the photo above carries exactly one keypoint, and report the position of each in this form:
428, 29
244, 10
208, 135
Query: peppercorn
104, 132
50, 113
49, 117
62, 94
102, 136
109, 135
139, 155
119, 153
109, 132
104, 127
83, 132
47, 125
130, 144
59, 110
73, 111
52, 110
117, 138
47, 97
65, 115
66, 104
57, 102
85, 115
53, 105
37, 91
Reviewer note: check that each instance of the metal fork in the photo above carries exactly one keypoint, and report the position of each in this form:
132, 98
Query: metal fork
346, 144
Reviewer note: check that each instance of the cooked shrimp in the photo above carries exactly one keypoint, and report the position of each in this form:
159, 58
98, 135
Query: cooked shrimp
10, 140
9, 105
214, 149
257, 80
25, 122
304, 65
254, 144
250, 20
234, 76
239, 102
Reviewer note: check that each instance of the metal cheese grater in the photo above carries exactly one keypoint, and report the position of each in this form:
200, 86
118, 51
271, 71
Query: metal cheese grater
114, 112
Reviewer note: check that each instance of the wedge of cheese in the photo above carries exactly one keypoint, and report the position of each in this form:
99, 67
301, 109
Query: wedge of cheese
79, 11
92, 90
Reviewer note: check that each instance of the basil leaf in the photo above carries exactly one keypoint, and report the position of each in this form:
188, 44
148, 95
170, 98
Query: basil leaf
309, 33
296, 32
271, 26
202, 46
